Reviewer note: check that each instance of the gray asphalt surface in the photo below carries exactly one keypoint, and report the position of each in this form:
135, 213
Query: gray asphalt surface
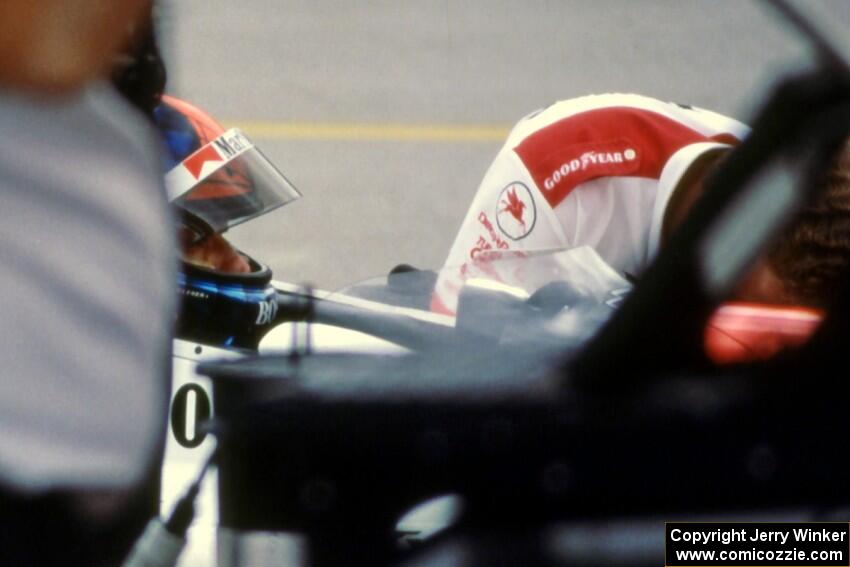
369, 205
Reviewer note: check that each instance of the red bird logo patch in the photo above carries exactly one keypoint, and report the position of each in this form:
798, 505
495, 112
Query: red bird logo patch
511, 204
516, 212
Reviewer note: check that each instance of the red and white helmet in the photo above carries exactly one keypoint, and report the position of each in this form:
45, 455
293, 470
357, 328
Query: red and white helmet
218, 177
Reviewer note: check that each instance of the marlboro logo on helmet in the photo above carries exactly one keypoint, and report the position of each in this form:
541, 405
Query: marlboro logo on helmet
206, 161
227, 181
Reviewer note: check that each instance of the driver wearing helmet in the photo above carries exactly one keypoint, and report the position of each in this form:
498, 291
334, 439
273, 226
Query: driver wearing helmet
216, 179
140, 76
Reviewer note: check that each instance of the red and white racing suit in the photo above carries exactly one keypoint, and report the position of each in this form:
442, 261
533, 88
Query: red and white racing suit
593, 171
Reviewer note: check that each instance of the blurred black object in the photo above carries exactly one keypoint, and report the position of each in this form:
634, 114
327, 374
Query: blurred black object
139, 74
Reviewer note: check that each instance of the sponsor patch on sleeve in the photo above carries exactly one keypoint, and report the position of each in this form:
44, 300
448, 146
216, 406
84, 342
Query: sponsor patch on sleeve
558, 169
516, 212
490, 240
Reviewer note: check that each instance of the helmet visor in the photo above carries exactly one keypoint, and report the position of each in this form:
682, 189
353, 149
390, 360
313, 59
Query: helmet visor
228, 181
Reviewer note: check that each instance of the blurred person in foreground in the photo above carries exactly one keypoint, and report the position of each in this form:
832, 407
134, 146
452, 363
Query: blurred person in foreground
87, 253
618, 173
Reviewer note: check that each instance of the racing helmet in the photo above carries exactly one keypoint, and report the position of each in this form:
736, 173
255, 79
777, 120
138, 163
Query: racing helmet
216, 179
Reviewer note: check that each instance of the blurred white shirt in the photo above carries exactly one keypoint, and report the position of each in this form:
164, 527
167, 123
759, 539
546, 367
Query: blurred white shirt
86, 293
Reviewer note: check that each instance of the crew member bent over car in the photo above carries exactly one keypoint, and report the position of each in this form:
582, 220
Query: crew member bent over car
618, 172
